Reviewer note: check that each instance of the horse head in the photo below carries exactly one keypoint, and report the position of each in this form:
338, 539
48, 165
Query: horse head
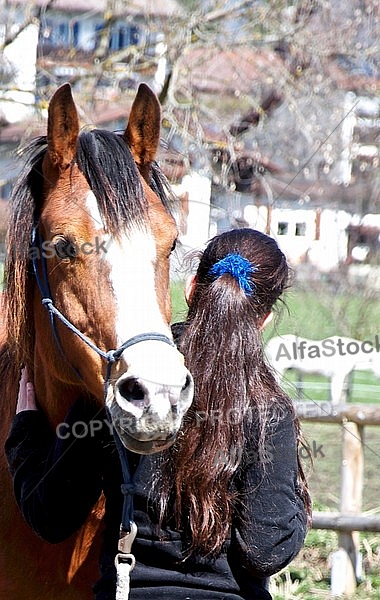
103, 239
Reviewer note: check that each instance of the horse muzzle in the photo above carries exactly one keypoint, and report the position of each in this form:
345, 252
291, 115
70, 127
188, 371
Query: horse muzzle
146, 413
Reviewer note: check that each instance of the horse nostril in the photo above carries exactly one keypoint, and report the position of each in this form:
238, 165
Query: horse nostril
131, 390
187, 383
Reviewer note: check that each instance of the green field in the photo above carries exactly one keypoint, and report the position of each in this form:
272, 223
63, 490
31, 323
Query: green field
315, 312
322, 310
318, 314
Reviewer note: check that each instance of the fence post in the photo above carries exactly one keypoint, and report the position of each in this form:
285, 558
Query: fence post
346, 562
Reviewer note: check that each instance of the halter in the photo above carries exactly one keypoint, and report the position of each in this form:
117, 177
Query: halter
112, 355
128, 528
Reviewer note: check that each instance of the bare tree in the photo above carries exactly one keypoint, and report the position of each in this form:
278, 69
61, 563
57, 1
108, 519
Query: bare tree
245, 85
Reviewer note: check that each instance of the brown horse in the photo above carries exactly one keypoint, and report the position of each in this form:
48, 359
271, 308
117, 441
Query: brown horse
98, 211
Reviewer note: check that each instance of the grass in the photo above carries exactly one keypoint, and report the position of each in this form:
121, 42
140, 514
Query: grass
364, 387
307, 577
318, 313
324, 475
179, 306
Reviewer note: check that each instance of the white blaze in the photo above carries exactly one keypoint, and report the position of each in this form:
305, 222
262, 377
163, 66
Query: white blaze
93, 210
131, 261
133, 281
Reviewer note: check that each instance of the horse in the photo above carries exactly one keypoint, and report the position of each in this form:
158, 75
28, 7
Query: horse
334, 357
86, 308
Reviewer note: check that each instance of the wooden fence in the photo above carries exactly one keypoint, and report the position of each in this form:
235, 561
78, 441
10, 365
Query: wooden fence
349, 521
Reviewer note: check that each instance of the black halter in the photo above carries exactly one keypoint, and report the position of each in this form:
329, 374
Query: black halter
112, 356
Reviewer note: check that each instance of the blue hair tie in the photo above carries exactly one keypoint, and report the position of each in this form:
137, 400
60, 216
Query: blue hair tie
239, 267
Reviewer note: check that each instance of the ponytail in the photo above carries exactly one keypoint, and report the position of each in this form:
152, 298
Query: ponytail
240, 276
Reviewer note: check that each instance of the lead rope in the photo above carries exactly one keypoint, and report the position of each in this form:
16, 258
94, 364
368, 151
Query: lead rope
124, 563
124, 560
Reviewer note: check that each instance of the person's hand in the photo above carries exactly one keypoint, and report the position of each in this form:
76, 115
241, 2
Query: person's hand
26, 398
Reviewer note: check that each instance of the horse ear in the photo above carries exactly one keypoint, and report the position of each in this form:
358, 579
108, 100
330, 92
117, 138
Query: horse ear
143, 131
63, 128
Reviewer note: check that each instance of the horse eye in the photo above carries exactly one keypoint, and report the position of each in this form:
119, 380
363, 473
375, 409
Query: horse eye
66, 249
173, 246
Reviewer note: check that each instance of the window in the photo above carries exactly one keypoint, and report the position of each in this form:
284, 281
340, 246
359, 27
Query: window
6, 189
56, 33
123, 36
63, 37
282, 228
75, 34
300, 228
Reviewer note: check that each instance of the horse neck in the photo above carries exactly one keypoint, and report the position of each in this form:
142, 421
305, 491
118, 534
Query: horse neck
54, 396
9, 377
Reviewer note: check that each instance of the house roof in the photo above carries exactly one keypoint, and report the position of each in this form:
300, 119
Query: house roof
134, 7
353, 82
214, 69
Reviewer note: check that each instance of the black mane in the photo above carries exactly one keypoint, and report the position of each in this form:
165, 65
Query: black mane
107, 163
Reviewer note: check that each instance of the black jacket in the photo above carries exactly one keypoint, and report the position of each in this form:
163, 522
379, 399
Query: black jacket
57, 481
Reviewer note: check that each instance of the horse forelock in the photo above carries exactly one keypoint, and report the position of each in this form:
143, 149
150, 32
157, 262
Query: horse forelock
108, 165
111, 172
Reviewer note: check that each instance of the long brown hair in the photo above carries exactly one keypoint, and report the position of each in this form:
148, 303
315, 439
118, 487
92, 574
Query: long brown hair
234, 388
